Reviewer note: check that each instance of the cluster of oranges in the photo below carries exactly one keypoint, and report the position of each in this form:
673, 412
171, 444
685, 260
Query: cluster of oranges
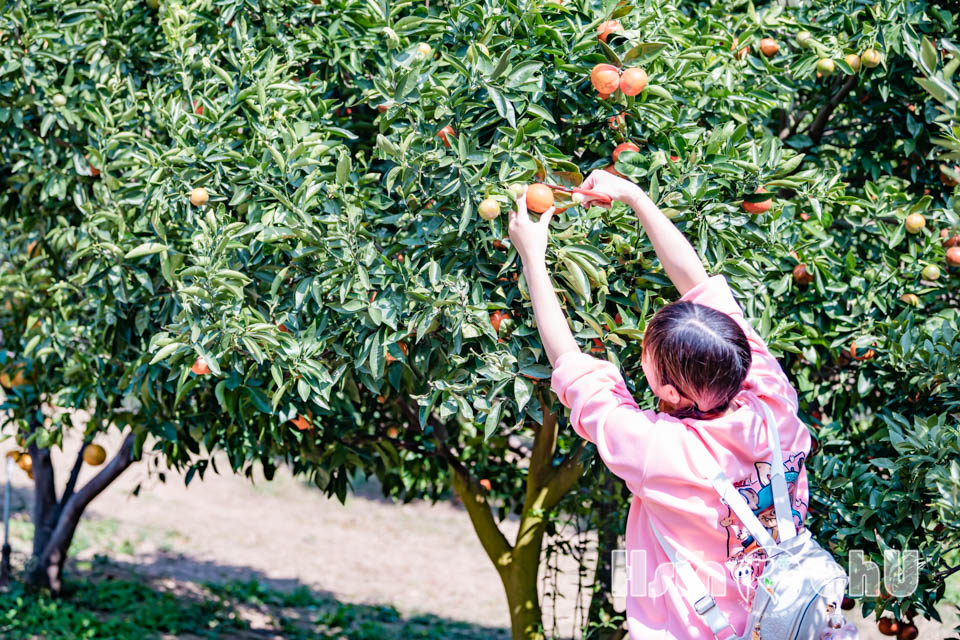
606, 79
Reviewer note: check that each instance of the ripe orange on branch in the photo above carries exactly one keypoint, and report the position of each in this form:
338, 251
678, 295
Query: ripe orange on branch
633, 81
445, 134
489, 209
608, 27
303, 423
953, 256
801, 276
758, 207
200, 367
870, 58
624, 146
915, 222
199, 197
539, 197
853, 60
605, 78
769, 47
94, 455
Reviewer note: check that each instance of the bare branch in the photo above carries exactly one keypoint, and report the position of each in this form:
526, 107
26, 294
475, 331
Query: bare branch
823, 116
475, 500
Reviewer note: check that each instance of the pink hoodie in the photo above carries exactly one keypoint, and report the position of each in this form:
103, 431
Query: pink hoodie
651, 452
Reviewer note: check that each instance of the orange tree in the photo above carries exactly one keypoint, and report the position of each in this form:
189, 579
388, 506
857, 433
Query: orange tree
264, 227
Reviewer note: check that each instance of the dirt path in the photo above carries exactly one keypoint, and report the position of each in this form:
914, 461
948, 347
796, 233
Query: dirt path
419, 557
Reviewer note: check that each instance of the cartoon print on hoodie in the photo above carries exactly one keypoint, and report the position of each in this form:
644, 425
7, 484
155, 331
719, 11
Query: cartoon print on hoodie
758, 493
745, 557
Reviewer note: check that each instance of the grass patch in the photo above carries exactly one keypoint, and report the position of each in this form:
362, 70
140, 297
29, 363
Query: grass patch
102, 607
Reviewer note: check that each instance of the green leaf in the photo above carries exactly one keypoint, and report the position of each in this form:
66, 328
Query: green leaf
492, 423
501, 64
145, 249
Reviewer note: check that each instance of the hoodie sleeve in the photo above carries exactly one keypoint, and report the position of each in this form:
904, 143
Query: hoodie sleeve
765, 376
603, 412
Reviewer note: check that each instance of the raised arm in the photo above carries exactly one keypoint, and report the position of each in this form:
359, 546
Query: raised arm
678, 257
530, 240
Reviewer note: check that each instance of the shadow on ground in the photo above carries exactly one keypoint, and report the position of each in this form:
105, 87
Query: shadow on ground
105, 598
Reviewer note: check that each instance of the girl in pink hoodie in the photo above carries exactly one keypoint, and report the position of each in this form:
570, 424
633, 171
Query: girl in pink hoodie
709, 369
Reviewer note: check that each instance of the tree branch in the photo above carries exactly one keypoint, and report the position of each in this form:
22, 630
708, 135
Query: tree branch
71, 483
565, 477
541, 457
823, 116
474, 499
55, 551
44, 491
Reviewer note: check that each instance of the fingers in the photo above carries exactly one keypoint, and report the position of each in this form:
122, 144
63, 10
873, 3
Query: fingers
546, 216
522, 202
591, 181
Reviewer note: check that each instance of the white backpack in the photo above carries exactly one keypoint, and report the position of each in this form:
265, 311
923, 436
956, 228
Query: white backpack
801, 587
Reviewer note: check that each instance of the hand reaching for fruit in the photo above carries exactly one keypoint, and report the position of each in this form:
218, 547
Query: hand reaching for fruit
617, 188
529, 237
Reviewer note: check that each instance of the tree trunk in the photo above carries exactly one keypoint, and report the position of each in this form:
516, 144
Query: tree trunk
56, 522
519, 564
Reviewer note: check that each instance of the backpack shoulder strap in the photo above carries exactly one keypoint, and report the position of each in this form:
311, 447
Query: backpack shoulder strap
782, 505
694, 591
723, 486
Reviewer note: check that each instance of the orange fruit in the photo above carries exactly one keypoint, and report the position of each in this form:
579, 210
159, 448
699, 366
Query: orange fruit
539, 197
888, 626
931, 272
200, 367
853, 60
393, 432
953, 256
633, 81
859, 354
282, 327
424, 49
757, 207
769, 47
742, 53
198, 108
403, 349
94, 455
608, 27
949, 180
674, 158
486, 484
10, 383
615, 122
199, 197
605, 78
624, 146
826, 66
446, 133
303, 423
870, 58
908, 632
25, 462
496, 318
910, 298
801, 276
93, 170
915, 222
950, 240
489, 209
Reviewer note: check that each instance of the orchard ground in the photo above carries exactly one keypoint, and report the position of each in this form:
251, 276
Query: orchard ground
418, 558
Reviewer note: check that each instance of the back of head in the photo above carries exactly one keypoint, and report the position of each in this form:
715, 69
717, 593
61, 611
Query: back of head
702, 352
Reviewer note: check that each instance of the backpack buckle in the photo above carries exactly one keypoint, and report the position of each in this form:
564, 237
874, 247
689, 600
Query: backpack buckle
704, 604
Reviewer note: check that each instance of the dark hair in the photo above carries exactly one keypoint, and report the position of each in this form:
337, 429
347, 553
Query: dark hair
702, 352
